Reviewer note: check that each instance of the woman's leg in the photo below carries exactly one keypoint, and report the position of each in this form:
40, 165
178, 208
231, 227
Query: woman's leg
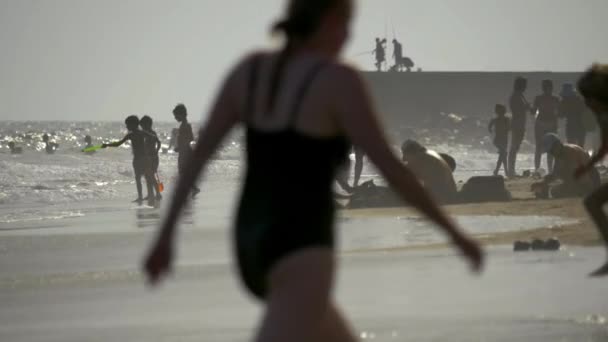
594, 204
298, 303
335, 328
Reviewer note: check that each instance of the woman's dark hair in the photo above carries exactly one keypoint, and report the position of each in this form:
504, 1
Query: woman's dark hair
594, 83
301, 21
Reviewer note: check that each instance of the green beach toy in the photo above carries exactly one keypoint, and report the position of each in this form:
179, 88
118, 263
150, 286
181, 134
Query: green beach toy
92, 148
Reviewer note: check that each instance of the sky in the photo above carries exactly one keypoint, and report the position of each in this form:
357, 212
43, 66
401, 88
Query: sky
102, 60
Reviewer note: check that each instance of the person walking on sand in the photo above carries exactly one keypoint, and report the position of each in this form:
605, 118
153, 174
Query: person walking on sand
519, 107
299, 107
500, 127
593, 86
546, 109
185, 137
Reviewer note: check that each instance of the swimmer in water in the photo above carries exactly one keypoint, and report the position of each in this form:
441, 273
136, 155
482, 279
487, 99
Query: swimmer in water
300, 108
141, 161
14, 149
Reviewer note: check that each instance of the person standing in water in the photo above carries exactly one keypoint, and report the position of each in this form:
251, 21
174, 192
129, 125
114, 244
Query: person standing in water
519, 108
546, 109
141, 161
152, 147
593, 86
299, 106
572, 107
49, 146
185, 137
88, 144
500, 127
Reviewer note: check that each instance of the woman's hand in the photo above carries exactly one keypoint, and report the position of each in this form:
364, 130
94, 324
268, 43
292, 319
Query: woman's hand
159, 261
472, 251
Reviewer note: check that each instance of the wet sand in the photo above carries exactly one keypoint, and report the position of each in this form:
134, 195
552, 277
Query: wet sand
581, 233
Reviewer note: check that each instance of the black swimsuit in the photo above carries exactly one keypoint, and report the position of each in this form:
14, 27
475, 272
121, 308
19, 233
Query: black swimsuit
286, 203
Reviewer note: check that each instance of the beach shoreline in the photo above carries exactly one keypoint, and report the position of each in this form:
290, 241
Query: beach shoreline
582, 233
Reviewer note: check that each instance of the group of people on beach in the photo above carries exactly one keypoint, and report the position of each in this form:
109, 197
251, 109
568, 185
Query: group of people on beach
146, 145
546, 110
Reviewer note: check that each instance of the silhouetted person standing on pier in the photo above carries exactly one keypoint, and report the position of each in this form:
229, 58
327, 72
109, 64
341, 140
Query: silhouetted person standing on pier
380, 53
519, 107
546, 109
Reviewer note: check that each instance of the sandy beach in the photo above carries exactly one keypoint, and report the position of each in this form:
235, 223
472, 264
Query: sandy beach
581, 233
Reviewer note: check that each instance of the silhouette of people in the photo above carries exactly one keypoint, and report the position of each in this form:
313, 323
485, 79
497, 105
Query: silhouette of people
380, 53
431, 170
397, 54
572, 107
152, 145
546, 109
14, 149
185, 136
568, 158
277, 246
401, 62
500, 127
519, 108
593, 86
142, 165
49, 146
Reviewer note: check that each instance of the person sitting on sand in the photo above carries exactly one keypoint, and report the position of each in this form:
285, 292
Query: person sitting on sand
500, 127
593, 85
49, 146
568, 158
14, 149
431, 170
152, 145
142, 165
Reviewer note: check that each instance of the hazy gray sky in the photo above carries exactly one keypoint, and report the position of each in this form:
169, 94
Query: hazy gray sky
104, 59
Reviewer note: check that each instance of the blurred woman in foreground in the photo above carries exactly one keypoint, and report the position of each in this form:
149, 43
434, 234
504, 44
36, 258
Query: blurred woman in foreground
593, 85
300, 107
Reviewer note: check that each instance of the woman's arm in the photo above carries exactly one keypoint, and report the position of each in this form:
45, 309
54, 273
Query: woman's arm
117, 143
223, 116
